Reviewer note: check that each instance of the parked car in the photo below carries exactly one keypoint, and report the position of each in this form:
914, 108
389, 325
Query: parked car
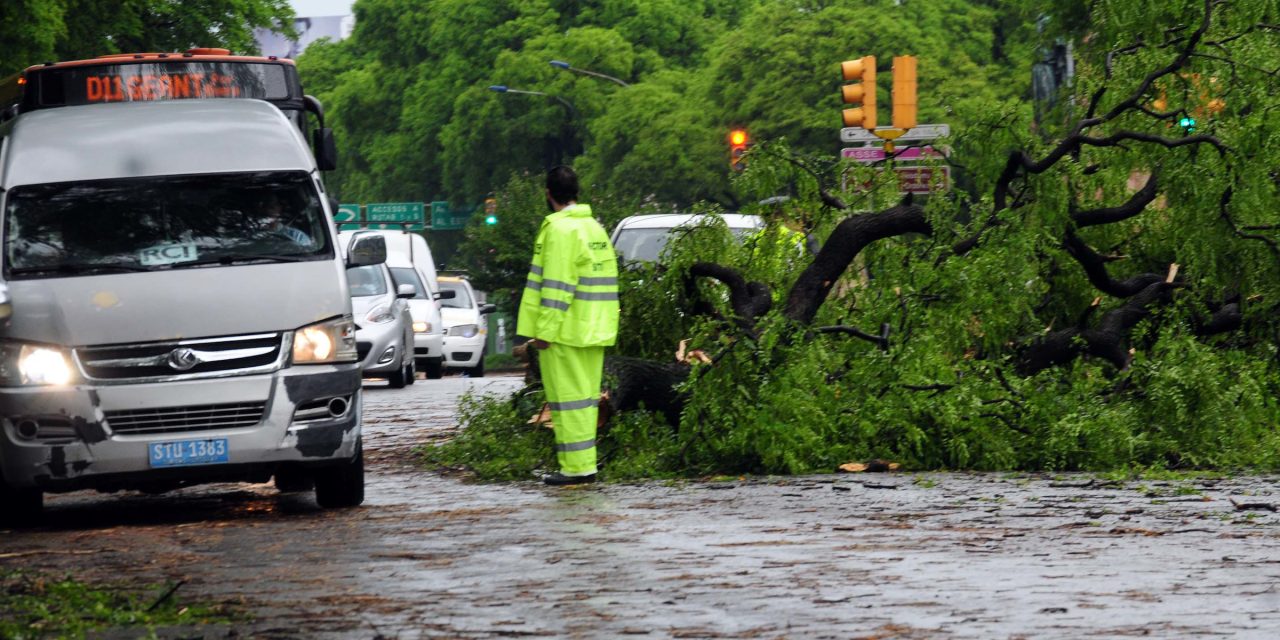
465, 326
384, 326
642, 238
410, 260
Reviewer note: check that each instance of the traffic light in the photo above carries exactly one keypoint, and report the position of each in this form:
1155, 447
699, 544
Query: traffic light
1188, 124
738, 141
863, 69
491, 210
904, 92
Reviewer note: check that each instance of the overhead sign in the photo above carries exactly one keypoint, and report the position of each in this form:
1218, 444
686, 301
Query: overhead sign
876, 153
347, 213
444, 218
919, 132
398, 212
923, 179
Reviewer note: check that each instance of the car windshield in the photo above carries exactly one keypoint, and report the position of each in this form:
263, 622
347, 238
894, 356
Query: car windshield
366, 281
406, 275
647, 244
167, 222
461, 301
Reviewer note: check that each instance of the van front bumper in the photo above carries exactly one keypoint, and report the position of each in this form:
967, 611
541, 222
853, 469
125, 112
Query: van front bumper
87, 436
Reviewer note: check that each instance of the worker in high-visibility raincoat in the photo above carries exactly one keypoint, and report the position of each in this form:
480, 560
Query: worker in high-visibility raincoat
570, 312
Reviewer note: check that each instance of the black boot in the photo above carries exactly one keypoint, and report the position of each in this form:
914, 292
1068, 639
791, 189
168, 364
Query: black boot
558, 479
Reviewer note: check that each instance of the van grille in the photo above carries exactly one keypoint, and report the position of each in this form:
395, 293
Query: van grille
232, 355
205, 417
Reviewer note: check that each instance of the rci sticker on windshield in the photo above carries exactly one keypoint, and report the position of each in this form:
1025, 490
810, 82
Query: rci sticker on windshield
163, 254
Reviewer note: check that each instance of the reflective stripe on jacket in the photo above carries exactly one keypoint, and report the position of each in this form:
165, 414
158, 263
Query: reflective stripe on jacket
571, 293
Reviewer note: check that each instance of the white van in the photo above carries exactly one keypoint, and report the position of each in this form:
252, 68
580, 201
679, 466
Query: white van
642, 238
411, 263
180, 312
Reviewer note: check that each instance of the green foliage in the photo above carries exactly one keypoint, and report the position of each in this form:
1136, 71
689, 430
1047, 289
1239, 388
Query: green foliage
35, 605
498, 443
36, 31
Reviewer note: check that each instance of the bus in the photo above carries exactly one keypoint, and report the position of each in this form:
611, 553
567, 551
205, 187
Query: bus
200, 73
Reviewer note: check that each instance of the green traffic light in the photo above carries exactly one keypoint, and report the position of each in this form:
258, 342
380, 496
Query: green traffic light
491, 219
1187, 123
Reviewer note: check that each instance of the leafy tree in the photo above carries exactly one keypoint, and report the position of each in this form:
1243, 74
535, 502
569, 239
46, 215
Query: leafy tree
33, 31
1102, 295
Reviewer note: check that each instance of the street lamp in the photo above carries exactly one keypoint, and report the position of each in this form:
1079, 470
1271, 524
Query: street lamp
502, 88
566, 146
561, 64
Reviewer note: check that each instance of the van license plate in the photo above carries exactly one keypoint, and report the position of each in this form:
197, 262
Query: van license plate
180, 453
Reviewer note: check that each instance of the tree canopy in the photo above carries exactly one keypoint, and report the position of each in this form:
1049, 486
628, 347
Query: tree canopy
36, 31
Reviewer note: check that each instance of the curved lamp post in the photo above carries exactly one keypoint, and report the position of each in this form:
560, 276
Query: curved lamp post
561, 64
502, 88
567, 138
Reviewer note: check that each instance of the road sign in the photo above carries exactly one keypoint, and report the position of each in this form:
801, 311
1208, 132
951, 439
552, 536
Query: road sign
347, 213
444, 218
395, 212
876, 154
923, 179
919, 132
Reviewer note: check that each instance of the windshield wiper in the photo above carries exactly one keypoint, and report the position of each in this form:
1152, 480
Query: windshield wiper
73, 269
236, 258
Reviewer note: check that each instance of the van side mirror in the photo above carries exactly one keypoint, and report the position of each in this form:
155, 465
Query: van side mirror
366, 250
447, 294
406, 291
326, 149
488, 308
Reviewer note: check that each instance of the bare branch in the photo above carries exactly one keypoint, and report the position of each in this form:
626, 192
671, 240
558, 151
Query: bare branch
1129, 209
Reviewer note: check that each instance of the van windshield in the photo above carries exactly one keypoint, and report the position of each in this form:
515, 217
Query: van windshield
406, 275
160, 223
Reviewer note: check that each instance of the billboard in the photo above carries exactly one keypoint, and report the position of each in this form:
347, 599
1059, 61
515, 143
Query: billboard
309, 30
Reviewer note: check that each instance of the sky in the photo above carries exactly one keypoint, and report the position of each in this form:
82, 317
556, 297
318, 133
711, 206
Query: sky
303, 8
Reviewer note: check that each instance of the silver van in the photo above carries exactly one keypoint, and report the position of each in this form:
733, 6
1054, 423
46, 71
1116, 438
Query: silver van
179, 312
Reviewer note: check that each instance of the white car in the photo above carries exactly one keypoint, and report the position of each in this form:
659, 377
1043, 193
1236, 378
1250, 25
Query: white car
384, 327
642, 238
409, 258
465, 326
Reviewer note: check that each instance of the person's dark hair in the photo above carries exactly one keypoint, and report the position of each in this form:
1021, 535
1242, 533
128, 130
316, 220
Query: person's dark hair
562, 184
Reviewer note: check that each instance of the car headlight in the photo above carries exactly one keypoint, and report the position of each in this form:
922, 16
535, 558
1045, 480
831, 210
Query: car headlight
422, 327
32, 365
380, 314
325, 342
464, 330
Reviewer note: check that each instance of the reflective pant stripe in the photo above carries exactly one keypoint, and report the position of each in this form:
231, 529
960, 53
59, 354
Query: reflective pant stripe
556, 284
570, 406
535, 269
576, 446
598, 282
592, 295
555, 304
569, 375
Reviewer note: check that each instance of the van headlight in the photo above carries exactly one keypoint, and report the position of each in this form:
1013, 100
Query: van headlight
325, 342
24, 364
422, 327
464, 330
380, 314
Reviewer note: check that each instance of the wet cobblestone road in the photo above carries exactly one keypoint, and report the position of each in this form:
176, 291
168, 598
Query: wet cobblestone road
847, 556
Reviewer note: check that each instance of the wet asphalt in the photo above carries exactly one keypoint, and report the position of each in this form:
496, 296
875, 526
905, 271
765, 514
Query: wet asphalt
884, 555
